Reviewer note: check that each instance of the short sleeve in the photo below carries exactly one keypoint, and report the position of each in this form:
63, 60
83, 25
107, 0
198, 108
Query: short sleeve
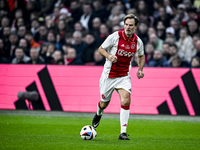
109, 41
140, 49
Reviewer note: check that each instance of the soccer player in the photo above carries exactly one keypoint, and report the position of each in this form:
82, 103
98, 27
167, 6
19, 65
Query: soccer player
118, 49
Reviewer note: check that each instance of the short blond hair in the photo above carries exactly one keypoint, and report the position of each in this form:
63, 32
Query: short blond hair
132, 16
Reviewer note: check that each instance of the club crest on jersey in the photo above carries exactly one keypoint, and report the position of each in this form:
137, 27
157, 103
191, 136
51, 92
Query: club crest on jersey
132, 46
122, 52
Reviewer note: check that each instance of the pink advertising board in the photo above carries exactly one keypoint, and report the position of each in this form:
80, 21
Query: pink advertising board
76, 88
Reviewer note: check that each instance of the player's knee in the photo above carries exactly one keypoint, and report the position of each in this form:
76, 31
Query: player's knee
126, 102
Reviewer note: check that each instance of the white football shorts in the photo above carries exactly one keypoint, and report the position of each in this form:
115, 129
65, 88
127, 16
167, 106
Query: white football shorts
108, 85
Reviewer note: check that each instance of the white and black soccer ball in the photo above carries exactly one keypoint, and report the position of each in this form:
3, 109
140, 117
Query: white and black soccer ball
88, 133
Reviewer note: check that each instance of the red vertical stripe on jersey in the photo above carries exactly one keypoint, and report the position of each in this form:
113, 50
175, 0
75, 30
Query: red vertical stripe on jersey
125, 51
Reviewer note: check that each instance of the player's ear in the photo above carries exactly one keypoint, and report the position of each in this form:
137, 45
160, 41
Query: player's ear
136, 27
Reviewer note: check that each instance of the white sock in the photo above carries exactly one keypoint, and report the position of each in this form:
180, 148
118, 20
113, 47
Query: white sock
99, 109
124, 116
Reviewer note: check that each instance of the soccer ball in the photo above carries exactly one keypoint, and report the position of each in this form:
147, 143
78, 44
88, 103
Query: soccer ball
88, 133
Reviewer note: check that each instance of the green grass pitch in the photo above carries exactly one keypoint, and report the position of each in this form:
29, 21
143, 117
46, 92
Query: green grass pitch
60, 133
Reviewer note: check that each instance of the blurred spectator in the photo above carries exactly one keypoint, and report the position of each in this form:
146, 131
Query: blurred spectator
61, 29
173, 52
195, 62
193, 28
181, 15
55, 15
50, 25
165, 49
49, 55
144, 17
21, 31
4, 8
35, 57
20, 22
76, 10
42, 37
149, 50
6, 34
60, 62
5, 22
193, 15
96, 22
87, 16
68, 39
142, 32
178, 62
100, 10
176, 25
18, 13
46, 6
160, 27
185, 44
169, 7
156, 6
78, 27
70, 57
114, 21
104, 32
141, 6
9, 50
116, 28
79, 45
156, 41
88, 52
116, 11
35, 27
98, 58
170, 33
43, 50
158, 60
51, 38
31, 41
163, 16
20, 57
57, 56
25, 45
151, 30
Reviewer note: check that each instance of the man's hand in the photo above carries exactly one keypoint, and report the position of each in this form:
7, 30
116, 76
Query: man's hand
112, 58
140, 74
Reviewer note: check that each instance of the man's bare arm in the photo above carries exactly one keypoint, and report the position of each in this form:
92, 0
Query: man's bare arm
111, 58
141, 62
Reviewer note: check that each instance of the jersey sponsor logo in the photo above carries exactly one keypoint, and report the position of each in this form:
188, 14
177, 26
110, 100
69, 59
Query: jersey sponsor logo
122, 52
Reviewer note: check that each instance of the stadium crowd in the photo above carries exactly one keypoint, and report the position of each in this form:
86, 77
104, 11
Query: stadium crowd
69, 32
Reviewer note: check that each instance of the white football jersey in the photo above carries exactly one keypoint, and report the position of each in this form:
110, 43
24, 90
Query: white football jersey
124, 48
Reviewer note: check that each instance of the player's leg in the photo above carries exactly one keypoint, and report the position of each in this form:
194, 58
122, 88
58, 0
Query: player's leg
97, 117
124, 112
106, 90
